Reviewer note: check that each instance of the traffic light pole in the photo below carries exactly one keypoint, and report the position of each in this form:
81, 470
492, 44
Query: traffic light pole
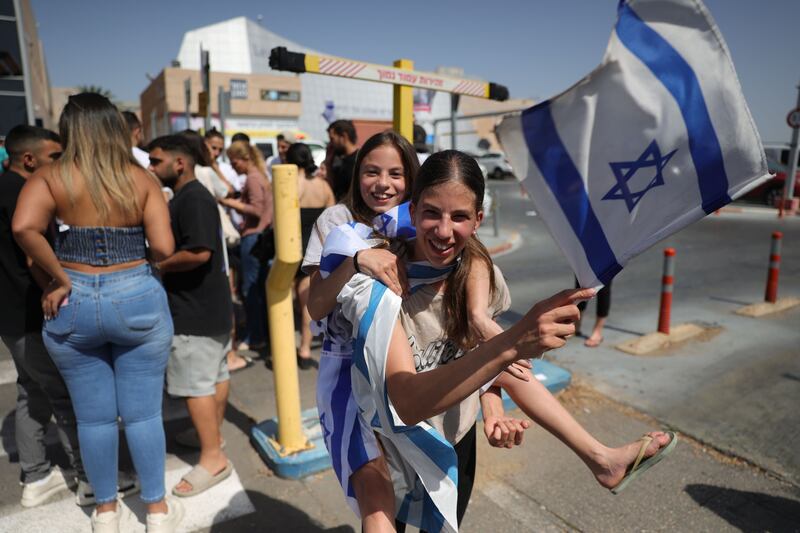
400, 75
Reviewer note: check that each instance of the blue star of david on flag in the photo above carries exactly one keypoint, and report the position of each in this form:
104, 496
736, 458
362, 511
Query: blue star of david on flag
625, 170
382, 223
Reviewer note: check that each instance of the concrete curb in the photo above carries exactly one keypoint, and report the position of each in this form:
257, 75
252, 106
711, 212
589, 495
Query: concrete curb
655, 341
767, 308
513, 241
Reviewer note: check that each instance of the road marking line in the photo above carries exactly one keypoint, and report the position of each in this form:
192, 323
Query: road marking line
221, 503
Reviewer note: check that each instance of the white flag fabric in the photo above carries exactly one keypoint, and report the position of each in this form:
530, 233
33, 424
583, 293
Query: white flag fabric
427, 494
655, 138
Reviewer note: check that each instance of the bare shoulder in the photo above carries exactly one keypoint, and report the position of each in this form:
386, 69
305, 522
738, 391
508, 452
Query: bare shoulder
145, 181
46, 179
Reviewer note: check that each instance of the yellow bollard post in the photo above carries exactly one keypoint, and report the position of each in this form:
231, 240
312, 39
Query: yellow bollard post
288, 256
404, 104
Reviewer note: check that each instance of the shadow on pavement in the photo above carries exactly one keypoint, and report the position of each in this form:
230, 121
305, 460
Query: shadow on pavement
748, 511
728, 300
272, 515
623, 330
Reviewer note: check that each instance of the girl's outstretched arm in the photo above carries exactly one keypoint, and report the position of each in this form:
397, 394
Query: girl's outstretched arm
545, 327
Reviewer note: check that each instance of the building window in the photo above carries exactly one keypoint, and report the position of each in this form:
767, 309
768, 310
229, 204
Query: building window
239, 89
273, 95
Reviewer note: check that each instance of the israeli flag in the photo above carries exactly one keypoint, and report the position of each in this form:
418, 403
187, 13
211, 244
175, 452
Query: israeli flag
345, 240
655, 138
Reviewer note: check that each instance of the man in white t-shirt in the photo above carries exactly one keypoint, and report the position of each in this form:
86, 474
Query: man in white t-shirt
135, 128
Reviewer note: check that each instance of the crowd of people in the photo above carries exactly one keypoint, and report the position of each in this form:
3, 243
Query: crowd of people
125, 266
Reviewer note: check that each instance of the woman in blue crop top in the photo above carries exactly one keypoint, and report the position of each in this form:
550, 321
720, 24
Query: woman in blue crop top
107, 322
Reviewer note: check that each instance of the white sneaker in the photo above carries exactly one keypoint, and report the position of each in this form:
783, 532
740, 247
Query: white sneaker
166, 522
38, 492
127, 484
109, 521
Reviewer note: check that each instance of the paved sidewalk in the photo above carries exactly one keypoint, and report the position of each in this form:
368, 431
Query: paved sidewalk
540, 486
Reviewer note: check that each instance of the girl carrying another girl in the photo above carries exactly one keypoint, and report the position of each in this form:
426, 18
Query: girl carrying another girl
423, 353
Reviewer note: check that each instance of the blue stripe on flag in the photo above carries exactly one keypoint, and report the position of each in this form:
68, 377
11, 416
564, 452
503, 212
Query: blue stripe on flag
566, 182
340, 396
356, 452
437, 449
679, 79
432, 518
375, 296
430, 442
405, 227
426, 271
402, 513
329, 263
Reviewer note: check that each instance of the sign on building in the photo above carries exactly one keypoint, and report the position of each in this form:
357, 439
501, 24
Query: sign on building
239, 89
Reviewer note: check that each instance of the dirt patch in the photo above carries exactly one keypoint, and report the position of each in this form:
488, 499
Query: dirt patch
580, 397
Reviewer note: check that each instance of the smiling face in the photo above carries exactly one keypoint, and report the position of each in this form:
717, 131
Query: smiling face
445, 218
381, 179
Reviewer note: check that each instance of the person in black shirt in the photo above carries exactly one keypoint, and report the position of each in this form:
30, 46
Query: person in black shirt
41, 391
200, 303
342, 135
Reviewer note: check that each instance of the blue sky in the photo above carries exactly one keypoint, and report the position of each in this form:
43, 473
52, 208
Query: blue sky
536, 48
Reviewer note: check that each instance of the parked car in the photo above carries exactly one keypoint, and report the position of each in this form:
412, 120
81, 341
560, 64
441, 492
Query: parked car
497, 166
487, 194
778, 163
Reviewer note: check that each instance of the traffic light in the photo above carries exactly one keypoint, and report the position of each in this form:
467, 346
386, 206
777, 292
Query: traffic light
282, 59
202, 103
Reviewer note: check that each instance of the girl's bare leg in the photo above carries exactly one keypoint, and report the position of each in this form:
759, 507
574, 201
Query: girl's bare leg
375, 496
607, 464
305, 319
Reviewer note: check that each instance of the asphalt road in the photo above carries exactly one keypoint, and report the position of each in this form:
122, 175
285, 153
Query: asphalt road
738, 391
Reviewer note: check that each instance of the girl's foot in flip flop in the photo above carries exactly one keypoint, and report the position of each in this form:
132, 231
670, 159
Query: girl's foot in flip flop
594, 341
611, 469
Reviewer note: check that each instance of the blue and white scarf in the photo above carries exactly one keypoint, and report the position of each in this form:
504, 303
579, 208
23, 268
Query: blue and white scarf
372, 311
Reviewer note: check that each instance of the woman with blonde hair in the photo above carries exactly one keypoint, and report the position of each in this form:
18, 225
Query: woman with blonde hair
107, 322
255, 205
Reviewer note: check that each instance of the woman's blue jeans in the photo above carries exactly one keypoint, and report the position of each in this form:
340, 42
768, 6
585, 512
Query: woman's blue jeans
254, 278
110, 341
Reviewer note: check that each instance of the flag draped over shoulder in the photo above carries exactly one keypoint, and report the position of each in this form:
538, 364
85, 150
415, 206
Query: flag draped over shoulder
426, 491
655, 138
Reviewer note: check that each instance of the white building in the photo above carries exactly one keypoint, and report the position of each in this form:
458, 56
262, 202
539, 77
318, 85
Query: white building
243, 46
